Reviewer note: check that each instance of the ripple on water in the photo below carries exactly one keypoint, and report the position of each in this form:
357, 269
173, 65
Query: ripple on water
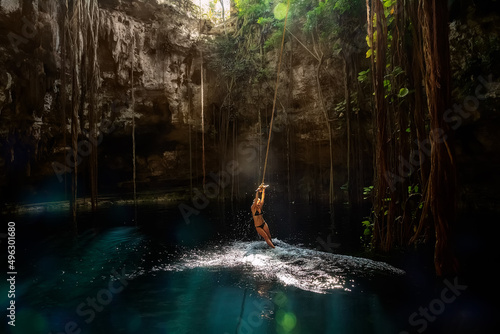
292, 265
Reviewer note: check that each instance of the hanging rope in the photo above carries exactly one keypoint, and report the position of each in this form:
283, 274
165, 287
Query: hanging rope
275, 93
200, 29
202, 119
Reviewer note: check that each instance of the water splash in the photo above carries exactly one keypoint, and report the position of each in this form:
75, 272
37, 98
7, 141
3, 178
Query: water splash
291, 265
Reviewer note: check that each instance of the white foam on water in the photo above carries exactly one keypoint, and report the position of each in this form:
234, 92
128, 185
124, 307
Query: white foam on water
292, 265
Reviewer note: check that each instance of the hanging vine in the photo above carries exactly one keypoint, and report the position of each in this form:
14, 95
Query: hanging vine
408, 45
81, 47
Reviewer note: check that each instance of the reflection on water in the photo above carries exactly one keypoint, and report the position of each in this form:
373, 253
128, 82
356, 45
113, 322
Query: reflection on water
146, 279
290, 265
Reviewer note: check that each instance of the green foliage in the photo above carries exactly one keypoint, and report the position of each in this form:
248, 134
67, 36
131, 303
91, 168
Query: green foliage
403, 92
389, 79
330, 16
269, 21
213, 13
330, 19
396, 71
413, 189
261, 29
264, 20
280, 11
229, 60
339, 108
263, 74
366, 238
368, 226
367, 192
274, 39
343, 6
363, 75
253, 9
389, 16
318, 14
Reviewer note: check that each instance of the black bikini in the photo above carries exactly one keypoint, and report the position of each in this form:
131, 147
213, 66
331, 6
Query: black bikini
260, 214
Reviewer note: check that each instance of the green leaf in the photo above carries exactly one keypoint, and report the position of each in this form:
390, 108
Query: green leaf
367, 190
389, 3
387, 84
403, 92
261, 20
280, 11
363, 75
397, 71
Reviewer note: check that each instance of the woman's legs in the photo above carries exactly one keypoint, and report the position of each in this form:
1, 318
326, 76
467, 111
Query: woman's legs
266, 228
264, 232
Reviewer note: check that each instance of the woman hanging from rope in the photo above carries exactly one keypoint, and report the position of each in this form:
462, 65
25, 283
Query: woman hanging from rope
258, 219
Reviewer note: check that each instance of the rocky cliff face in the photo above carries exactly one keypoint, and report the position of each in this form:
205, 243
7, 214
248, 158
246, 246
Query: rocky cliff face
153, 51
155, 44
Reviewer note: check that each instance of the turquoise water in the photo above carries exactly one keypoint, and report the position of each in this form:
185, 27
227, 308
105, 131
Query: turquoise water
111, 274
